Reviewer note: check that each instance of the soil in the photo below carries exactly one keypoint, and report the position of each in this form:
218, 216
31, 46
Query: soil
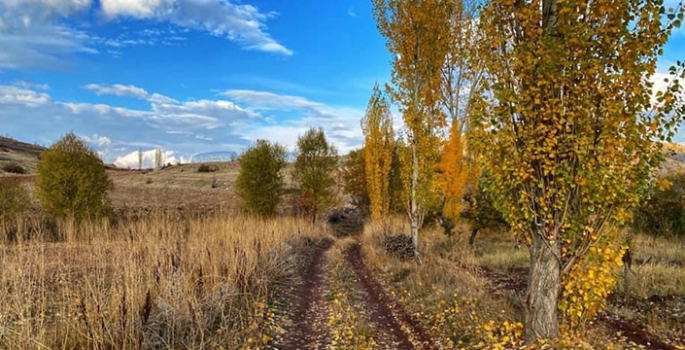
309, 314
385, 311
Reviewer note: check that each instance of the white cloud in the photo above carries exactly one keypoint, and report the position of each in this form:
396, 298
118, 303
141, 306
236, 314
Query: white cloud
118, 90
130, 160
351, 13
20, 96
244, 24
262, 100
42, 46
98, 140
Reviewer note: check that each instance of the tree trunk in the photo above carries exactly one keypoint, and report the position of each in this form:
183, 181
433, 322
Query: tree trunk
414, 208
543, 291
472, 239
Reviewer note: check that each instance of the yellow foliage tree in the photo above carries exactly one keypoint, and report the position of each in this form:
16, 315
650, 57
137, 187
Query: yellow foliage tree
565, 130
454, 173
379, 146
415, 32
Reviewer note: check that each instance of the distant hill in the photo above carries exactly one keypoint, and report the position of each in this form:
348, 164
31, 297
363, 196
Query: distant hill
212, 157
24, 155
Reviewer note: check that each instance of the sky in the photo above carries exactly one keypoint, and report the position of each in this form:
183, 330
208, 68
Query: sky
192, 76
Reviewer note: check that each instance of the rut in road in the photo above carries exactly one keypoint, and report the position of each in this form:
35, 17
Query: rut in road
310, 312
384, 311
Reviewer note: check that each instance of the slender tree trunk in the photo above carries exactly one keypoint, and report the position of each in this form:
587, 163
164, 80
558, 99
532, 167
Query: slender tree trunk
414, 208
543, 291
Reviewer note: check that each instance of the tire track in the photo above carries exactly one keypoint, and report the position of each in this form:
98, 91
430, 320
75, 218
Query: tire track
310, 312
384, 311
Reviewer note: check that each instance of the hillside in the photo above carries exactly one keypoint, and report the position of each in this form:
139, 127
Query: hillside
23, 154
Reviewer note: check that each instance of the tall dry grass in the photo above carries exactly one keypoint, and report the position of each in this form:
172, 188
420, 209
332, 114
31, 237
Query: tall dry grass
161, 282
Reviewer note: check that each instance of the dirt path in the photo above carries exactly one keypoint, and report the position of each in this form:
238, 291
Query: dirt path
394, 323
309, 314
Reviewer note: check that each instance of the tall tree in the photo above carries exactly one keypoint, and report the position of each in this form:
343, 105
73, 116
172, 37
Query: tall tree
378, 144
314, 166
454, 173
260, 180
567, 127
415, 32
354, 179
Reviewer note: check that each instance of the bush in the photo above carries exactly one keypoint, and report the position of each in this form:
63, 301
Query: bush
314, 166
663, 214
206, 168
73, 183
346, 222
13, 168
260, 182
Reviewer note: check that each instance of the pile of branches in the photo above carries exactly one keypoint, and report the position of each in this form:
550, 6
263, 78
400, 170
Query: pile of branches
400, 246
346, 222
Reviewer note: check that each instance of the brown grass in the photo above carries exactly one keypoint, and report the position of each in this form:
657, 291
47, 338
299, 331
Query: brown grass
159, 283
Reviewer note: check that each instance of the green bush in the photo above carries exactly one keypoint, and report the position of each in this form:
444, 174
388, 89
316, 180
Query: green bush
72, 181
663, 214
314, 166
260, 181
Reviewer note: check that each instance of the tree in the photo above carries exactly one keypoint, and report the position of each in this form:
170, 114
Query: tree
454, 173
72, 182
260, 180
354, 179
140, 159
378, 143
566, 125
663, 214
314, 166
415, 32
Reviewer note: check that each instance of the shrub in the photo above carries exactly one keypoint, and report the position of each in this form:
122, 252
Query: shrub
73, 183
663, 214
206, 168
314, 166
346, 222
13, 168
260, 182
400, 246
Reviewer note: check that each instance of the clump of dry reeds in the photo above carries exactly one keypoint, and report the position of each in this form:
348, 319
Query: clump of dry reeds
157, 283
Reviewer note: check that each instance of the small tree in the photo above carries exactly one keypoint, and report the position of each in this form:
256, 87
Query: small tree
73, 183
260, 181
314, 166
379, 143
664, 213
354, 179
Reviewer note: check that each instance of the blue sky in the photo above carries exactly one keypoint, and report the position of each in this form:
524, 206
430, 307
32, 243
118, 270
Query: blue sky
191, 76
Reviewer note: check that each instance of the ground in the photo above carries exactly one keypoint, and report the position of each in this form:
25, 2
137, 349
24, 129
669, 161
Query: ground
159, 280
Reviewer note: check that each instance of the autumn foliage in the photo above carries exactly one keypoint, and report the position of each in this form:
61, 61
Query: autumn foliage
378, 153
565, 127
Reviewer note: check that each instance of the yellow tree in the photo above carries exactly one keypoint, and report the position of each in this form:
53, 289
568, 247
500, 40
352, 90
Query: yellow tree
462, 72
566, 129
379, 146
454, 173
416, 36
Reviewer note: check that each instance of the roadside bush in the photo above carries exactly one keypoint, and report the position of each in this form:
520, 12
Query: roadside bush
346, 222
13, 168
260, 181
663, 214
73, 183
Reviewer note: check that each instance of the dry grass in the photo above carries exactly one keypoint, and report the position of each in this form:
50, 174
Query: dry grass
158, 283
